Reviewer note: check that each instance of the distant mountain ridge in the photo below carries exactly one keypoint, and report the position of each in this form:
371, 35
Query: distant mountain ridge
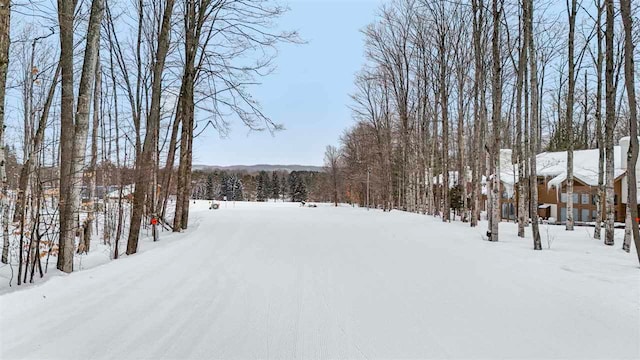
259, 167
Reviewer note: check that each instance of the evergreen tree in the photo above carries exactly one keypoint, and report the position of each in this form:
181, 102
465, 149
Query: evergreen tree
291, 180
224, 191
301, 191
263, 186
235, 188
455, 196
284, 185
210, 188
275, 185
297, 187
268, 186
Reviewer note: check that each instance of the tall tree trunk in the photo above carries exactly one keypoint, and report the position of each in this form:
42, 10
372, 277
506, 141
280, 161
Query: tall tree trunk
5, 20
81, 130
569, 115
180, 184
94, 156
476, 195
444, 103
600, 198
139, 75
522, 64
632, 156
193, 28
526, 177
153, 122
462, 169
66, 244
496, 94
187, 187
609, 122
28, 148
533, 73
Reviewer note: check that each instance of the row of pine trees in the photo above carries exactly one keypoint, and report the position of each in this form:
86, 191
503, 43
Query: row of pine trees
295, 186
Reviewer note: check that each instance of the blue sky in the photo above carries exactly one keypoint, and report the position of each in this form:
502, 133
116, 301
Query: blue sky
308, 93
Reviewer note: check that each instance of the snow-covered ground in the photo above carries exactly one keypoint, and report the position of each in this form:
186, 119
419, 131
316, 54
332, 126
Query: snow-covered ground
281, 281
101, 251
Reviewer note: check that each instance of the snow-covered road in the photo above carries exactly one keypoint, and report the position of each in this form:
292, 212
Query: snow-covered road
260, 281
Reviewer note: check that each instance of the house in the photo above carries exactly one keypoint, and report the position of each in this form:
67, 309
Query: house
552, 181
552, 184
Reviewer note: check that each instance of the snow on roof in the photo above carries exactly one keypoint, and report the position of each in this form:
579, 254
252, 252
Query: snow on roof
551, 165
585, 166
453, 178
508, 170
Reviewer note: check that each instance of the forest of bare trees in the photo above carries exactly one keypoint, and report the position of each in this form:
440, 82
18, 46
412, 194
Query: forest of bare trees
449, 84
103, 100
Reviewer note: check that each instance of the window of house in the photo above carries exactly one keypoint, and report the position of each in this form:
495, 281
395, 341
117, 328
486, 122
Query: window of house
585, 199
508, 211
563, 197
586, 215
576, 198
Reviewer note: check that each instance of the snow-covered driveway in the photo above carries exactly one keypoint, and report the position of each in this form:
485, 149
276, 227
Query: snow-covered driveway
260, 281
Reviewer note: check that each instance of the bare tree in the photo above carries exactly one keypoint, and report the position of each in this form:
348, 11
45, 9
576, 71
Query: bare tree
520, 154
478, 107
572, 12
600, 199
216, 34
97, 95
388, 46
496, 100
66, 244
442, 32
609, 122
461, 54
632, 156
80, 133
528, 15
5, 19
371, 109
332, 167
145, 165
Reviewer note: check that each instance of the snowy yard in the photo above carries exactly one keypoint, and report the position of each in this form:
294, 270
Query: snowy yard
279, 281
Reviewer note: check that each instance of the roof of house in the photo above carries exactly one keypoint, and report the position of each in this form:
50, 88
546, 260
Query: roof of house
453, 178
549, 164
585, 166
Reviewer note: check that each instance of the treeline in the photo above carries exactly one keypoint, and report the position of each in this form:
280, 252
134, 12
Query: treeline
448, 84
296, 186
